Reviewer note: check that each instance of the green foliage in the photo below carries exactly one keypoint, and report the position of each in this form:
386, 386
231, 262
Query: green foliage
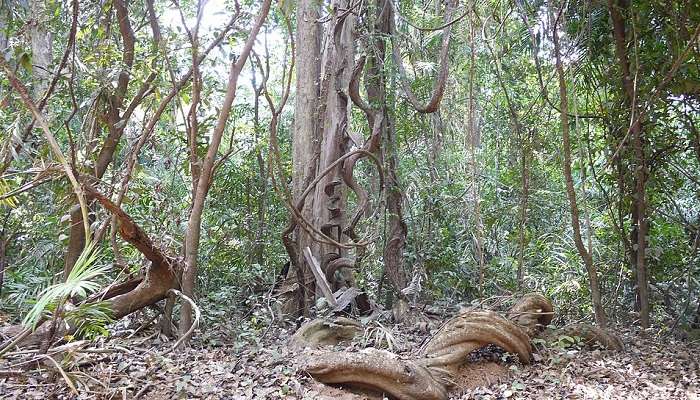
81, 281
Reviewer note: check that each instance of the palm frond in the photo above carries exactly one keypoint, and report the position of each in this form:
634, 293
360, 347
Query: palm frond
80, 282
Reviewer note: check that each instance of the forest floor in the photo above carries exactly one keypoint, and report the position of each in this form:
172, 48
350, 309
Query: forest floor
244, 360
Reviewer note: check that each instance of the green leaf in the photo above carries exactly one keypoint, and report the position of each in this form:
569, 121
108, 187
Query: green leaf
26, 61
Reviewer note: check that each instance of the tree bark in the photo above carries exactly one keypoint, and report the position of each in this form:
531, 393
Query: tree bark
639, 225
473, 142
306, 140
585, 254
115, 124
41, 48
194, 223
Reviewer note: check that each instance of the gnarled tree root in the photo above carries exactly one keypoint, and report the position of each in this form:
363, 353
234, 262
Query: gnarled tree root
470, 331
592, 335
320, 332
532, 313
441, 363
377, 370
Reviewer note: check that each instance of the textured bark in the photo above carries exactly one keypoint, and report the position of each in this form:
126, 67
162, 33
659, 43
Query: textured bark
305, 143
376, 370
160, 275
41, 48
468, 332
397, 231
330, 196
533, 312
439, 364
585, 254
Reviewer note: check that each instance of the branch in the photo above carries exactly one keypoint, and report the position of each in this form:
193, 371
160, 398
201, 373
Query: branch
129, 231
439, 86
22, 91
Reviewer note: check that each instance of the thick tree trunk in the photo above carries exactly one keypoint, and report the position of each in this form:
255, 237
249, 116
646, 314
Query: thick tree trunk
330, 195
571, 191
639, 224
306, 136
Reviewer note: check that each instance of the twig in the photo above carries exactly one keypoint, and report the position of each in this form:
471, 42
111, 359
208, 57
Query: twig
63, 374
142, 391
195, 323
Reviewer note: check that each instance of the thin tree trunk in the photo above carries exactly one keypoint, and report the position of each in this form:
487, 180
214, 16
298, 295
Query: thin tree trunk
599, 312
473, 140
194, 223
639, 225
3, 259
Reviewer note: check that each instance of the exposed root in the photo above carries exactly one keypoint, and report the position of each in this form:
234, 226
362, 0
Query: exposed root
377, 370
532, 313
444, 361
321, 332
592, 335
468, 332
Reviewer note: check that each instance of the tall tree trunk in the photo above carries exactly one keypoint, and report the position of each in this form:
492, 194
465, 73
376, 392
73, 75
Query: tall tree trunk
473, 142
377, 96
306, 136
4, 23
585, 254
3, 258
194, 223
330, 195
638, 235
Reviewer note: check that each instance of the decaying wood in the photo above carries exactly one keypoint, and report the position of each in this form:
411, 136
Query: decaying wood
593, 335
321, 282
320, 332
377, 370
532, 313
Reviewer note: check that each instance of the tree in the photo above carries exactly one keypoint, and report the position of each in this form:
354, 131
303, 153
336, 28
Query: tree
585, 253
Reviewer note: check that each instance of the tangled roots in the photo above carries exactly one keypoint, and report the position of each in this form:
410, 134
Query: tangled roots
470, 331
321, 332
532, 313
443, 360
377, 370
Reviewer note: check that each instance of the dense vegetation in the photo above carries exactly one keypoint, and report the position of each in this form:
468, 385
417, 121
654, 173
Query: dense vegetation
423, 152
